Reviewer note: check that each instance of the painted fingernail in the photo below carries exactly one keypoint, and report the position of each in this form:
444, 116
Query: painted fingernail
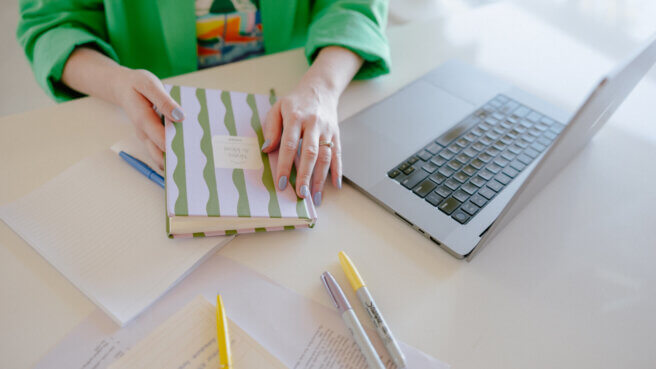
339, 183
282, 183
305, 191
266, 144
177, 114
317, 199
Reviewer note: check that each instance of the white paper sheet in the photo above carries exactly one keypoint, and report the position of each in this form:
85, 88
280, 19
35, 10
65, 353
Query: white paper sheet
301, 333
187, 340
102, 225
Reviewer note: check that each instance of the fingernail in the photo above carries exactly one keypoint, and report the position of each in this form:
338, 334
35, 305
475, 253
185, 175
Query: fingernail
339, 183
282, 183
317, 199
305, 191
177, 114
266, 144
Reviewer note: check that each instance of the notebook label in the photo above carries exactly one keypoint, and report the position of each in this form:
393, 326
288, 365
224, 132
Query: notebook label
236, 152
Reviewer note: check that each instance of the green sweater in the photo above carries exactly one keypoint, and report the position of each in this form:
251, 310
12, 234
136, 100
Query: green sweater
160, 35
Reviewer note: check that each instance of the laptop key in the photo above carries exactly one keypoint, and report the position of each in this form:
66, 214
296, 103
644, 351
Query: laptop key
492, 151
478, 200
433, 148
486, 174
424, 155
461, 217
504, 179
463, 158
494, 168
518, 165
429, 167
478, 146
508, 155
414, 178
461, 177
438, 160
525, 159
455, 164
437, 178
404, 166
443, 191
447, 154
538, 147
485, 157
469, 188
534, 116
510, 172
470, 153
548, 121
501, 162
413, 160
521, 111
451, 183
393, 173
532, 153
486, 192
469, 208
455, 147
462, 142
408, 170
477, 181
550, 135
494, 185
449, 205
434, 199
424, 188
477, 163
545, 141
461, 195
469, 170
446, 171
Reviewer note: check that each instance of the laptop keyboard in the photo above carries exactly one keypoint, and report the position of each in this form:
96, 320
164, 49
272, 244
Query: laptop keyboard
465, 168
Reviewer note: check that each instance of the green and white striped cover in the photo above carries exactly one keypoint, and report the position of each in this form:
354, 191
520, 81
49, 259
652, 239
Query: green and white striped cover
196, 187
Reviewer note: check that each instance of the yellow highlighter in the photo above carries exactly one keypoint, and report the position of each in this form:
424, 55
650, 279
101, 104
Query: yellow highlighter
222, 336
369, 304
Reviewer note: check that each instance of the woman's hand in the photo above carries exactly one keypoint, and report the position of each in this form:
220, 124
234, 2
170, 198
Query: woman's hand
308, 117
139, 92
311, 113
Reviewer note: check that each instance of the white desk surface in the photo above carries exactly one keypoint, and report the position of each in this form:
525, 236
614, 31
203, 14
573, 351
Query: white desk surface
570, 283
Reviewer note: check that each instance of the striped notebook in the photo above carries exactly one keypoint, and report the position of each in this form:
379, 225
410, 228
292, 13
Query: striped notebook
218, 181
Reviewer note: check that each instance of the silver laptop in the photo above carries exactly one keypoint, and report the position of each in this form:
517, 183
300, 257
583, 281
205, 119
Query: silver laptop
458, 153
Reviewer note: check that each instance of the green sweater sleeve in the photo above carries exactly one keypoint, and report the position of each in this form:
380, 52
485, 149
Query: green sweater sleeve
358, 25
49, 31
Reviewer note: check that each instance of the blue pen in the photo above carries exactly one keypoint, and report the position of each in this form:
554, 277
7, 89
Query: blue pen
142, 168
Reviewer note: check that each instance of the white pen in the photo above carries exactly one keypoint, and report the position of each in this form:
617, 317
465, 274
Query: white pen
351, 321
383, 330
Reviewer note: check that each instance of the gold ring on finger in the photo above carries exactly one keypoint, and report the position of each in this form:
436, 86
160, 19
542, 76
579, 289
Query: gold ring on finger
326, 143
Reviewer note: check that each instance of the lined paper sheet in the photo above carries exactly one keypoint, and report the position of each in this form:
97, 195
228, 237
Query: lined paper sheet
102, 225
188, 340
301, 333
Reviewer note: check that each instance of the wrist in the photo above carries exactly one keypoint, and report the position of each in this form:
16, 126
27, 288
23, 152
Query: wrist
322, 88
119, 81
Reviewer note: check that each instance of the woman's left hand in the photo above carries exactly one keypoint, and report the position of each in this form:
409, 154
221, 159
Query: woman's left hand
308, 117
308, 113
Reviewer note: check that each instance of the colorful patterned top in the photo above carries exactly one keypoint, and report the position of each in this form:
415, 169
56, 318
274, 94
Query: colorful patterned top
227, 31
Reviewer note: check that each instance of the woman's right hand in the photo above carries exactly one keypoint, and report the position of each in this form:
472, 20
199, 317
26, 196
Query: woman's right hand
139, 93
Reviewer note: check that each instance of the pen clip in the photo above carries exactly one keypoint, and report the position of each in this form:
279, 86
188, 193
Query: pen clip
330, 290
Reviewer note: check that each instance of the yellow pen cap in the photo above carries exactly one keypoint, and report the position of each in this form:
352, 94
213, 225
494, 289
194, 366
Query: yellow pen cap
352, 274
222, 335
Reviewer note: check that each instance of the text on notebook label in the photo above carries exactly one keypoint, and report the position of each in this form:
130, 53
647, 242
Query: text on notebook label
236, 152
